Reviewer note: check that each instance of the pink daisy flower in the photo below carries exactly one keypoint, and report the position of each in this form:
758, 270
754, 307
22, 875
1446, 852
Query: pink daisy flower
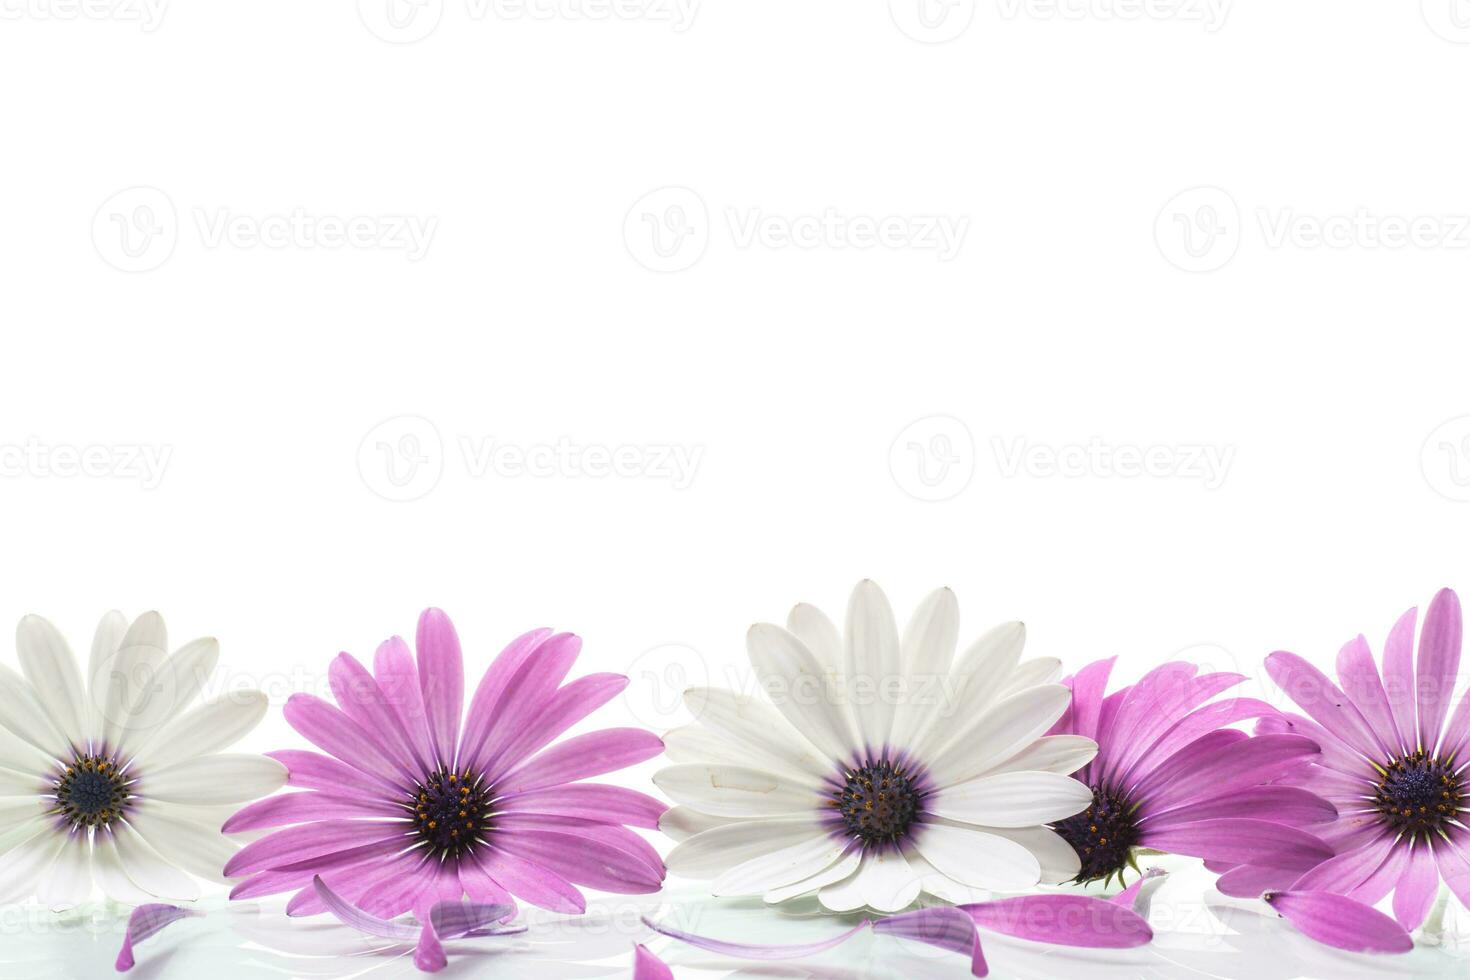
1170, 775
407, 809
1393, 761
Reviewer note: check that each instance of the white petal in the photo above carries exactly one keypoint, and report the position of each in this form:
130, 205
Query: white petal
213, 779
874, 672
780, 868
129, 679
755, 725
883, 882
680, 823
980, 674
840, 870
939, 885
1012, 799
19, 755
846, 894
1042, 670
977, 859
31, 857
17, 811
211, 727
51, 668
999, 733
1059, 862
110, 631
928, 651
1063, 754
21, 712
713, 852
68, 883
24, 828
696, 745
147, 869
176, 684
108, 871
734, 791
194, 845
818, 634
21, 784
801, 690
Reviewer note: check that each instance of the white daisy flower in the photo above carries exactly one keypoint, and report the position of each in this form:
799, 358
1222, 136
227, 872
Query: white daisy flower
115, 778
876, 768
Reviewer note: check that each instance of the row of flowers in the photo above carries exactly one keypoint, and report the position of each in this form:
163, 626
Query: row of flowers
417, 820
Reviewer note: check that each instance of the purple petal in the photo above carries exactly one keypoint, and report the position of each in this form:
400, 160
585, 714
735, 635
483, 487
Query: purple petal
485, 705
326, 727
398, 680
453, 920
582, 757
1088, 689
1360, 681
526, 697
1139, 895
1336, 755
1256, 842
1229, 769
1419, 884
567, 706
441, 678
606, 835
1341, 922
290, 808
428, 954
752, 951
582, 861
1250, 881
350, 882
590, 801
1063, 920
946, 928
312, 770
145, 922
1168, 709
1139, 701
1281, 804
1200, 722
350, 915
1398, 674
1439, 662
1185, 762
646, 966
1454, 864
1322, 700
360, 699
531, 882
325, 837
1346, 871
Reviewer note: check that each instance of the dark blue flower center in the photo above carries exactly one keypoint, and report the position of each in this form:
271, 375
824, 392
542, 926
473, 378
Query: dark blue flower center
879, 803
452, 811
1103, 835
1418, 794
91, 792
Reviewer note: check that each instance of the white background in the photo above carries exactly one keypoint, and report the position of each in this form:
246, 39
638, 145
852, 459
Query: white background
1184, 238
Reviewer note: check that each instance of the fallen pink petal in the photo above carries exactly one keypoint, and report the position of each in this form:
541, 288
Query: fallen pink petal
1340, 922
145, 922
646, 966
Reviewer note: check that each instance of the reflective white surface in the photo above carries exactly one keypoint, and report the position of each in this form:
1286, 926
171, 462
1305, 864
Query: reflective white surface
1198, 934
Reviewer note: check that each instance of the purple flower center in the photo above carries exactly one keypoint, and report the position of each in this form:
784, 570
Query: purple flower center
452, 811
879, 803
1418, 794
1103, 835
91, 792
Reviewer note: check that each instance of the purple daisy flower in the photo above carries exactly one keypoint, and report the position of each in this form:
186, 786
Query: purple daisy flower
1170, 775
1391, 762
406, 810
